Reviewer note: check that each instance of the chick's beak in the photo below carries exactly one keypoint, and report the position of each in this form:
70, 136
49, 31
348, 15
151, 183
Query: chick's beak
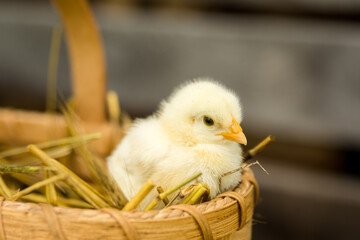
235, 133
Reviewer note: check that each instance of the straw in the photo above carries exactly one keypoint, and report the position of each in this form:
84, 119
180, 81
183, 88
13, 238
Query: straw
192, 194
182, 194
63, 141
63, 202
161, 190
257, 163
4, 188
258, 148
55, 152
23, 169
50, 190
200, 192
174, 200
36, 186
143, 192
250, 154
77, 184
161, 196
176, 187
115, 197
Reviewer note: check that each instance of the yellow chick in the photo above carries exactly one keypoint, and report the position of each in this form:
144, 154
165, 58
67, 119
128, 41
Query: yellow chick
195, 130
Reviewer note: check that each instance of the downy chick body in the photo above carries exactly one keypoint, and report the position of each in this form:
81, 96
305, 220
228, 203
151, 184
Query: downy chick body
195, 130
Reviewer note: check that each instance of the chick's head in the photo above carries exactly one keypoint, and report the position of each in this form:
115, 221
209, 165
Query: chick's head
202, 111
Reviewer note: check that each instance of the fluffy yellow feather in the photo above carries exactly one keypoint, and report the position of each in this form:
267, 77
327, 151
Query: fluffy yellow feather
195, 130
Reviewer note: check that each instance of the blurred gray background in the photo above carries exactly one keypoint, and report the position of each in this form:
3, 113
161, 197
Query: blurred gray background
295, 65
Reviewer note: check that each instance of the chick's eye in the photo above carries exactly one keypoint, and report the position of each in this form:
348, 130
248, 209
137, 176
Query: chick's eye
208, 121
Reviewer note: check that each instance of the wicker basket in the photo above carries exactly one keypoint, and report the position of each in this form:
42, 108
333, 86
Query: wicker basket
216, 219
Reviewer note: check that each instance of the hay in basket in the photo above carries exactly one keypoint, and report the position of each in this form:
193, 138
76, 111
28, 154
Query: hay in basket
56, 203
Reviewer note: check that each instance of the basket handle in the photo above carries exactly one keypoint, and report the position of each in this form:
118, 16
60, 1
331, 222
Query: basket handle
87, 60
